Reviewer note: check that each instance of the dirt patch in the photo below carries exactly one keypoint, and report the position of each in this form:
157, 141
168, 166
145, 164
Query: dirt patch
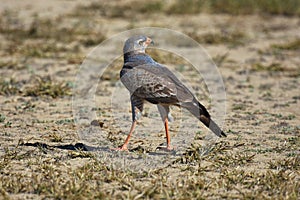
41, 156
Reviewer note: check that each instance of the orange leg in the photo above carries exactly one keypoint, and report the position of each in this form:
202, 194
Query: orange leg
168, 135
124, 146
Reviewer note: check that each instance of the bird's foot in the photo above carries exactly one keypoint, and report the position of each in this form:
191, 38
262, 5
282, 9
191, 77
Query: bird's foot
121, 148
168, 148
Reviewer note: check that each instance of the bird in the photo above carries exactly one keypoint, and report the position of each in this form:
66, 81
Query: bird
149, 81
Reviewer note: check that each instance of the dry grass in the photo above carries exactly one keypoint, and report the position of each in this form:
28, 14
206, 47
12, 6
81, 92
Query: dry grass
275, 67
252, 163
120, 10
53, 179
44, 86
232, 38
10, 87
59, 38
291, 45
13, 27
235, 7
132, 9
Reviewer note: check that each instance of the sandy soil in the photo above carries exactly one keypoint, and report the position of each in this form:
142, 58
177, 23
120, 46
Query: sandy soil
262, 105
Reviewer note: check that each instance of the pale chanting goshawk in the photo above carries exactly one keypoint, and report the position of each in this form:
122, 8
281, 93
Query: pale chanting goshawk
150, 81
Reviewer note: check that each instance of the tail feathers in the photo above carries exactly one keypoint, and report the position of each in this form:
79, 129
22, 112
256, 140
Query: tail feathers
199, 111
216, 129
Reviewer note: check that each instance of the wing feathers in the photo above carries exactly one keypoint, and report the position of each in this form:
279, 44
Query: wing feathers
156, 84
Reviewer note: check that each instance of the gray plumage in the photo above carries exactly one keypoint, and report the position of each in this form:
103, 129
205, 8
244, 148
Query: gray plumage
150, 81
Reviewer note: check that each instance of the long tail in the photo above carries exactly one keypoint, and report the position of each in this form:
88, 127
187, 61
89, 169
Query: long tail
199, 111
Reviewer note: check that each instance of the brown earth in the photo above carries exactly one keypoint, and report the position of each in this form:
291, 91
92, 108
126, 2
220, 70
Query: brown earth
42, 46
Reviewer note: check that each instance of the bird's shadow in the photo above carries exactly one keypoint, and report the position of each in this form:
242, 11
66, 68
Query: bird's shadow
84, 147
72, 147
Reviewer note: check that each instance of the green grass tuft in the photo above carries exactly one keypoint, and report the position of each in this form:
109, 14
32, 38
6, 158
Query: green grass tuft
273, 67
292, 45
232, 38
44, 86
10, 87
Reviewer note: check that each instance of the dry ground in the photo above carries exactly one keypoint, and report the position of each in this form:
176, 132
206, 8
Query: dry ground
42, 44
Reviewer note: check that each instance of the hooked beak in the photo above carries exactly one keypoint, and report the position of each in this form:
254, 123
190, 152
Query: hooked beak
149, 41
